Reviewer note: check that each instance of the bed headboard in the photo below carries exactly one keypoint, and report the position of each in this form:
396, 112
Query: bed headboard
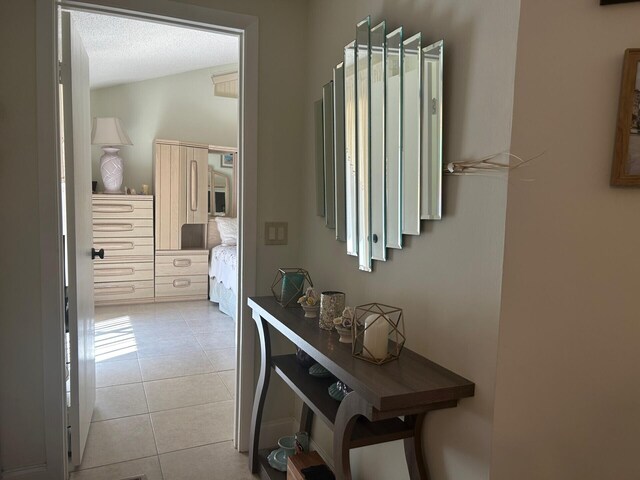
213, 234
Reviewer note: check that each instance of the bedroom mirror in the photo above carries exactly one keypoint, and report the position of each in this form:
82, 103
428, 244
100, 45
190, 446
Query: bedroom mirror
378, 179
363, 142
329, 162
393, 134
351, 184
432, 131
338, 145
218, 193
411, 90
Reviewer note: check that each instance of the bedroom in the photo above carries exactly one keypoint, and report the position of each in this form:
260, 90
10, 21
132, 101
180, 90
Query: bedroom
165, 332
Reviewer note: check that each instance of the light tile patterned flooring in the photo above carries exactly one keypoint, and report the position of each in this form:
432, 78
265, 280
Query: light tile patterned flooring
165, 383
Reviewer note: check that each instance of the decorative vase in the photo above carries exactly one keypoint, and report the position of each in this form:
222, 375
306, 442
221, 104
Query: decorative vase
111, 169
303, 358
345, 334
331, 306
310, 311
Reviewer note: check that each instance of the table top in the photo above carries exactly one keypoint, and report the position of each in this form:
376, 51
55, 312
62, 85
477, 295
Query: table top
410, 381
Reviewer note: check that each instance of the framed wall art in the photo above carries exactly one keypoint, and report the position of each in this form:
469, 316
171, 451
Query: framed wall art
612, 2
626, 157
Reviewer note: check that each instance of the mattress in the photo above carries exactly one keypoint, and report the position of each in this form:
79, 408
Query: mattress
223, 265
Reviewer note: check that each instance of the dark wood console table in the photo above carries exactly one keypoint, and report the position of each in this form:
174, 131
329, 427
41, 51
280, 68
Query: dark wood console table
410, 387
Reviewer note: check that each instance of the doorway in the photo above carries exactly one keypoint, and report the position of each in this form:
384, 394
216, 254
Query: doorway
203, 19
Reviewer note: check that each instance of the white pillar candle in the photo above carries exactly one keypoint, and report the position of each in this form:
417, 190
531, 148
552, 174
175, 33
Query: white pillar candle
376, 337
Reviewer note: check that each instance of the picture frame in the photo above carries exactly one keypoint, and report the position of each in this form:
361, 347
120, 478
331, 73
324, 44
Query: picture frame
625, 170
227, 160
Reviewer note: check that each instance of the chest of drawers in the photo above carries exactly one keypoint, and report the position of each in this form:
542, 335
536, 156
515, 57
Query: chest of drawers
123, 227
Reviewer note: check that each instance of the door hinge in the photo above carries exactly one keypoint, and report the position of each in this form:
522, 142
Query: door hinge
60, 73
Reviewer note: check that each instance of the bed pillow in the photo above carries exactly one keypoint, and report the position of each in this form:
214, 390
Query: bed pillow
228, 228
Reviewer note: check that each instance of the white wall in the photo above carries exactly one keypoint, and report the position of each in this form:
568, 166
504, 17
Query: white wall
568, 395
448, 279
175, 107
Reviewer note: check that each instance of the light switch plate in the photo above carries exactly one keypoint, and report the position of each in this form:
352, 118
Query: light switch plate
276, 233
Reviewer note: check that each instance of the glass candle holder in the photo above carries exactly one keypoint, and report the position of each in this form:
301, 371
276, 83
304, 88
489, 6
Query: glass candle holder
331, 306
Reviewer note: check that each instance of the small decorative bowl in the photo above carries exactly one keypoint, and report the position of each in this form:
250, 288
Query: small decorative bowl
346, 335
288, 444
311, 311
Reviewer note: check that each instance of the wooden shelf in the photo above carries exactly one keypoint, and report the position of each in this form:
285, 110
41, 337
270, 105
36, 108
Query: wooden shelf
314, 392
267, 472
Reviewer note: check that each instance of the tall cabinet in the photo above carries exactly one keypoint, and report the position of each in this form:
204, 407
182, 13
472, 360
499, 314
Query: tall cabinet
181, 215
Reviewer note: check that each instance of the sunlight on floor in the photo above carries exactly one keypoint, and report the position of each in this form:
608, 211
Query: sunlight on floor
114, 338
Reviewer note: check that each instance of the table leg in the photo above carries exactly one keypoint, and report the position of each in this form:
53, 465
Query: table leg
413, 449
261, 391
351, 407
306, 419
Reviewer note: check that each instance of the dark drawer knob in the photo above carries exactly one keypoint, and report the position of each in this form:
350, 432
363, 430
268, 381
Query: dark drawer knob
97, 253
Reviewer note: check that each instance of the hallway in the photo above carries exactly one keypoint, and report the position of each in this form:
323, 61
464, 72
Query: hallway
165, 384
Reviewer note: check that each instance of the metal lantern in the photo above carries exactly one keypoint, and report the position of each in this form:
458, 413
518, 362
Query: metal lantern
378, 333
289, 285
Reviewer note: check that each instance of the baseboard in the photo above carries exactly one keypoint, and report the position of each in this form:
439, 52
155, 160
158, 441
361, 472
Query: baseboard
272, 430
328, 459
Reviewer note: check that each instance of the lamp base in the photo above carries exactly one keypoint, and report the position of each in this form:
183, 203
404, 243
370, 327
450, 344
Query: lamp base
111, 169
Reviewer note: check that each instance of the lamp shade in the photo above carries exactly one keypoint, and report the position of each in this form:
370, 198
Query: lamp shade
108, 131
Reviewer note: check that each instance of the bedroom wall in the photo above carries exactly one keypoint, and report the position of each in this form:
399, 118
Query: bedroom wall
447, 280
568, 396
175, 107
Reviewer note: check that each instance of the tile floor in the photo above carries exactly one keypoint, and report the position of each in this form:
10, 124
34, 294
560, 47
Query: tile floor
165, 383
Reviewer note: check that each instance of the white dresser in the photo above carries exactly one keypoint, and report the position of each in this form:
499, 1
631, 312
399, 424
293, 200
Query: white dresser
123, 227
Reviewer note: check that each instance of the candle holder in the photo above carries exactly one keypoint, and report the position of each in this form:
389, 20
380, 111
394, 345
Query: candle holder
289, 285
378, 333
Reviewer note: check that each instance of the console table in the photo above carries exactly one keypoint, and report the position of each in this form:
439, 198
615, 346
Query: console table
410, 387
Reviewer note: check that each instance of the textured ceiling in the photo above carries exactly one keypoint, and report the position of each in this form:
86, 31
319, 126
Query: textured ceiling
123, 50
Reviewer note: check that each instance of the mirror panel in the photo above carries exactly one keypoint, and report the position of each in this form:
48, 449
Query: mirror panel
329, 162
317, 118
351, 180
218, 193
393, 136
378, 179
432, 131
411, 90
363, 141
338, 143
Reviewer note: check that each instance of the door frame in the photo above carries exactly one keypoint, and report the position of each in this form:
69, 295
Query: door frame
51, 280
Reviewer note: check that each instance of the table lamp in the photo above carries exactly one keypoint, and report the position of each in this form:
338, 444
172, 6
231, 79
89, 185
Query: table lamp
109, 133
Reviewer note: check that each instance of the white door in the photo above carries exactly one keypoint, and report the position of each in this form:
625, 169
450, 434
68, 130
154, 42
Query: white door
77, 155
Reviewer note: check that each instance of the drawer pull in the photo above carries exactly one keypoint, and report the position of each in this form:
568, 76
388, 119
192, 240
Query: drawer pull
117, 245
181, 283
182, 262
113, 227
106, 272
112, 208
105, 290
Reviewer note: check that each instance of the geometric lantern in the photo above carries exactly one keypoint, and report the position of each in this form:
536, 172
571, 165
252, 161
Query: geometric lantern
378, 333
289, 285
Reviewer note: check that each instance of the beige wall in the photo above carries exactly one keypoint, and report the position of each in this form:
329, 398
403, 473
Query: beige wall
568, 396
21, 375
448, 279
175, 107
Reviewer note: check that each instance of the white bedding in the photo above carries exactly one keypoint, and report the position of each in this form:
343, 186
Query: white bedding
223, 265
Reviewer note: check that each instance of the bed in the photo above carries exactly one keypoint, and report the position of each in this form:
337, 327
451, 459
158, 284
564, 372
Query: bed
223, 264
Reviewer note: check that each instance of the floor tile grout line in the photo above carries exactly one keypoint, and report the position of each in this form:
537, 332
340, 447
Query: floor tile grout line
78, 470
200, 446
